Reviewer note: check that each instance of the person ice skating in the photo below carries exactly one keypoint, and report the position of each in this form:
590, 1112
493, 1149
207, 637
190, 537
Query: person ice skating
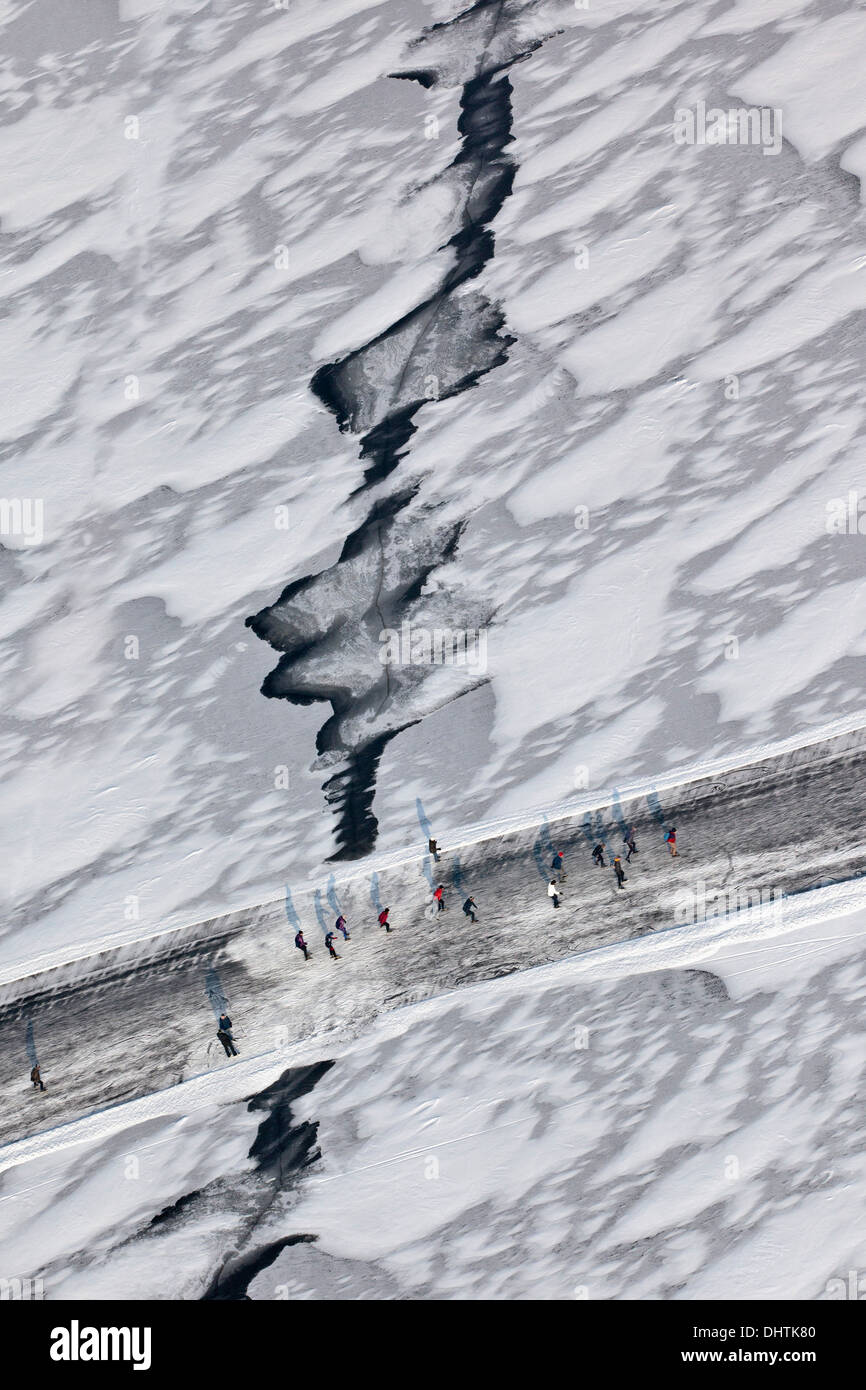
598, 853
671, 841
619, 871
329, 942
628, 841
434, 850
302, 945
383, 918
36, 1078
557, 865
224, 1033
553, 892
342, 926
440, 901
469, 908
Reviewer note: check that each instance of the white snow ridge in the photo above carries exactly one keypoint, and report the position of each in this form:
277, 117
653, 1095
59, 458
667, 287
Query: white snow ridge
433, 442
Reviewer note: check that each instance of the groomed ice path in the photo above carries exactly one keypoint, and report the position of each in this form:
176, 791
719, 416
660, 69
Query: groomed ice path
122, 1020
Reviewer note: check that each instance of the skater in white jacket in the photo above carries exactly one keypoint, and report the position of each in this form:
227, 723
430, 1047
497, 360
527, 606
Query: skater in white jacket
553, 891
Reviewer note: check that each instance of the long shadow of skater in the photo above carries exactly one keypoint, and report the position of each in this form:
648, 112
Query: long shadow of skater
457, 876
215, 992
427, 870
427, 828
617, 815
540, 859
423, 819
374, 894
595, 829
333, 900
320, 912
545, 833
33, 1059
381, 912
655, 806
291, 915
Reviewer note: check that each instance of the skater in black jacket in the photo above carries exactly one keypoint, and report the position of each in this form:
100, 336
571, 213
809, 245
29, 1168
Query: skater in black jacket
224, 1033
469, 908
329, 942
598, 853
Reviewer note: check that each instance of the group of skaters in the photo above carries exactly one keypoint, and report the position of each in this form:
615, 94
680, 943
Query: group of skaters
469, 907
554, 887
630, 844
341, 926
554, 893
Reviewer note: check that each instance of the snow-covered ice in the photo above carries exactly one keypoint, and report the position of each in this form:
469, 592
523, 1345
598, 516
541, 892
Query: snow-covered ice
316, 319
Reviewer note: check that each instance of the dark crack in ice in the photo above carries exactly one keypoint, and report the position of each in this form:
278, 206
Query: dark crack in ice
328, 626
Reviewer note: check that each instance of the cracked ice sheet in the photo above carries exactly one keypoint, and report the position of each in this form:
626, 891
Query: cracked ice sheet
109, 1189
214, 443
